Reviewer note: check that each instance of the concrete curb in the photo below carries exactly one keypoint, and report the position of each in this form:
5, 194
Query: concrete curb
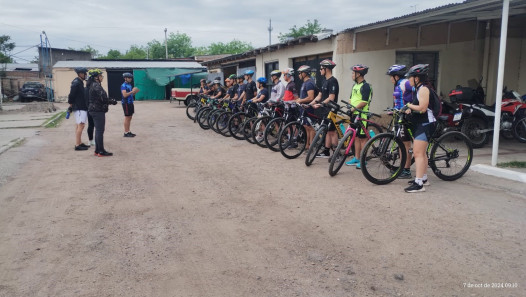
499, 172
11, 144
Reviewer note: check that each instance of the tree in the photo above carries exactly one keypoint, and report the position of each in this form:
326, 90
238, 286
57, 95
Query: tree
5, 49
112, 55
295, 32
179, 45
135, 53
233, 47
94, 53
156, 50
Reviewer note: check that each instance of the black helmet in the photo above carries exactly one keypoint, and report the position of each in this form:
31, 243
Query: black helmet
399, 70
327, 63
81, 70
418, 70
359, 68
127, 74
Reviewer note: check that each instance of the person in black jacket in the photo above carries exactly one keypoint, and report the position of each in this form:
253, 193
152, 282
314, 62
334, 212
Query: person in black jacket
79, 104
98, 106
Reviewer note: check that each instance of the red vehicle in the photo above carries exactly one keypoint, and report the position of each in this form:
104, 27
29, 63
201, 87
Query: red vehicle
184, 94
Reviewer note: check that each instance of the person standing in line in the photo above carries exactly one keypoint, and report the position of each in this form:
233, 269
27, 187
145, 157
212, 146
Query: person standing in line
278, 89
98, 106
128, 93
79, 105
307, 94
251, 88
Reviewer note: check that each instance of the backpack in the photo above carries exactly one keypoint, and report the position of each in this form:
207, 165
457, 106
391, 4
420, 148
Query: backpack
435, 103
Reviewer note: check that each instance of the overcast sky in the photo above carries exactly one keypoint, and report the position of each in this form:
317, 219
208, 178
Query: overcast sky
111, 24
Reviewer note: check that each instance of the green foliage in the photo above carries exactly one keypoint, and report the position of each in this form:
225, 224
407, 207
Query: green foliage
135, 53
233, 47
513, 164
112, 55
5, 48
179, 45
94, 53
295, 32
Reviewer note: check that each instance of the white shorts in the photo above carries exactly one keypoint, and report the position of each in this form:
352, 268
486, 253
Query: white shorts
81, 116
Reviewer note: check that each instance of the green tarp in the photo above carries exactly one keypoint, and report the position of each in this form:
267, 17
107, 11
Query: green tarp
152, 81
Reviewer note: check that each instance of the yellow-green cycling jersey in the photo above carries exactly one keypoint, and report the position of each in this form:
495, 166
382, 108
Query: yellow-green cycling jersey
361, 92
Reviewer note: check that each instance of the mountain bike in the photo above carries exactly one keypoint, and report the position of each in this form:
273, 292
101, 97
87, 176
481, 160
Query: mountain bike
345, 146
237, 120
193, 108
292, 139
383, 156
274, 110
274, 126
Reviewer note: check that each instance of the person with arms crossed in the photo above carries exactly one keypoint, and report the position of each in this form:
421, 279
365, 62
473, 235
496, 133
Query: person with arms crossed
128, 93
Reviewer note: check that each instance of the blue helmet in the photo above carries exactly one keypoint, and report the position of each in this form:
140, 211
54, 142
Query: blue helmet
262, 80
249, 72
399, 70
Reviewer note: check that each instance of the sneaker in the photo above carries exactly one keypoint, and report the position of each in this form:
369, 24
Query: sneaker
425, 182
96, 154
352, 162
92, 142
406, 174
259, 138
105, 154
83, 145
80, 148
414, 187
358, 166
325, 154
129, 134
293, 145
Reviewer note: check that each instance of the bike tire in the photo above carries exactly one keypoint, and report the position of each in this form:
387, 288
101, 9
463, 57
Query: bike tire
256, 130
470, 128
317, 143
247, 130
519, 129
191, 110
382, 158
212, 118
292, 133
451, 156
222, 123
271, 134
202, 119
339, 156
235, 125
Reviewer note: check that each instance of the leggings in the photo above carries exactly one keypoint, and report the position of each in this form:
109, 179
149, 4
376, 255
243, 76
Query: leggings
99, 119
91, 126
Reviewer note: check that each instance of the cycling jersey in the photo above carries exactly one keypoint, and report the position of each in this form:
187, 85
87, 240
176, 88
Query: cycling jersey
330, 86
307, 85
421, 118
219, 91
402, 94
231, 92
361, 92
250, 90
263, 91
128, 88
290, 91
278, 91
240, 89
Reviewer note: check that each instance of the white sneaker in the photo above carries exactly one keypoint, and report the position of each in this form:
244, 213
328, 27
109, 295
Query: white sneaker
92, 142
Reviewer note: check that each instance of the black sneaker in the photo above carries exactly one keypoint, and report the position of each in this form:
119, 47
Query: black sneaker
83, 145
80, 148
406, 174
425, 182
324, 154
105, 154
414, 188
129, 134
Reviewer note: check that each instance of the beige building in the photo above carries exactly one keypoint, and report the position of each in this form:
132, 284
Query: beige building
459, 41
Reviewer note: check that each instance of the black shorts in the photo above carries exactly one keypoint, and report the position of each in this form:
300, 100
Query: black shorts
129, 109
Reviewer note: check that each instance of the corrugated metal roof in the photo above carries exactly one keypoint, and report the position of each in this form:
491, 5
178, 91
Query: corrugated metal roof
128, 64
20, 66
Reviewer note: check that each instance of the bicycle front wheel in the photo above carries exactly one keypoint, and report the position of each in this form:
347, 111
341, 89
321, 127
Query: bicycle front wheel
292, 140
202, 118
341, 154
258, 130
247, 130
191, 110
451, 156
382, 158
271, 134
317, 143
222, 123
235, 125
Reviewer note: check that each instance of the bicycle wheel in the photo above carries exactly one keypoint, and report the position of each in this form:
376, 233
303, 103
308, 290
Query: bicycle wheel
317, 143
292, 140
202, 118
271, 134
235, 123
212, 118
340, 154
382, 158
222, 123
519, 129
191, 110
451, 156
258, 130
247, 130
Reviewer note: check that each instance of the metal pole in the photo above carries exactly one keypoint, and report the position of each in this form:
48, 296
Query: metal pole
166, 43
500, 80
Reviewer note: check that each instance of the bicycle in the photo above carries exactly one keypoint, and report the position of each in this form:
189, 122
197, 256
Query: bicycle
345, 146
292, 139
274, 127
193, 108
383, 156
237, 120
273, 111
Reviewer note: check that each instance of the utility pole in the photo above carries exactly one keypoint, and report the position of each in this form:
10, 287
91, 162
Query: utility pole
166, 43
269, 32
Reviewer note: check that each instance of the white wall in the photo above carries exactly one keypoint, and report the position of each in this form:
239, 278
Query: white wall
62, 78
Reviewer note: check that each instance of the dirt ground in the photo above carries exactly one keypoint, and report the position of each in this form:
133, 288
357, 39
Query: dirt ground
179, 211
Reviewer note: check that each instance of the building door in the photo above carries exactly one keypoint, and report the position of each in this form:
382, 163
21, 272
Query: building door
412, 58
314, 63
115, 81
269, 67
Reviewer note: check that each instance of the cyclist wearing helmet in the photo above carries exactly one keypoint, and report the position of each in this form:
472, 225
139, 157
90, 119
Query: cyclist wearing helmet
263, 92
423, 121
290, 89
278, 90
230, 88
307, 93
251, 88
360, 97
98, 106
329, 92
402, 94
78, 103
128, 93
204, 87
218, 91
240, 89
233, 84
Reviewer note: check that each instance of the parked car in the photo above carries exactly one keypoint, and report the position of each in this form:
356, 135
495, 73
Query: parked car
32, 90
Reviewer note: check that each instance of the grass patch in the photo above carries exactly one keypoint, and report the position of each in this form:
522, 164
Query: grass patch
55, 121
513, 164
